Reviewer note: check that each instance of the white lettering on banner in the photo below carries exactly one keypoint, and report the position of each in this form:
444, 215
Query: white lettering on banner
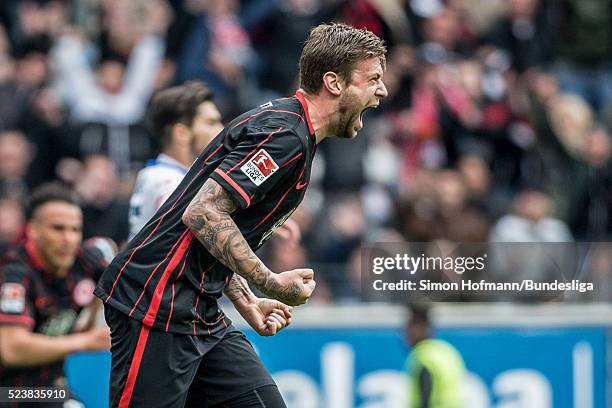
383, 389
582, 357
298, 389
519, 388
522, 388
338, 374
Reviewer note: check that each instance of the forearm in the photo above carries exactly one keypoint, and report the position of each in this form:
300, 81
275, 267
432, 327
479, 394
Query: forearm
239, 293
33, 349
209, 218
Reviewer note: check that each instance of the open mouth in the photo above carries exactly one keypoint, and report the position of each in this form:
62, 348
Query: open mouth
363, 111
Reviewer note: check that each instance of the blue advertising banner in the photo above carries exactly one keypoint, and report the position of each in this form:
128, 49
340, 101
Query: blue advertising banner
363, 368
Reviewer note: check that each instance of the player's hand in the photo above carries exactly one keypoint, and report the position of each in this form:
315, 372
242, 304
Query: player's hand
96, 339
296, 286
267, 316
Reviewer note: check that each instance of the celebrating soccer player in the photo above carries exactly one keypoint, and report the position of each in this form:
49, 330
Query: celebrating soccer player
172, 346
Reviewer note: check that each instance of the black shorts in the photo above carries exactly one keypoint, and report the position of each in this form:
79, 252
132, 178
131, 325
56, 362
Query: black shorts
151, 368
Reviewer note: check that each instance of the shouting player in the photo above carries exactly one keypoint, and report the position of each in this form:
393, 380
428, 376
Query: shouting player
171, 344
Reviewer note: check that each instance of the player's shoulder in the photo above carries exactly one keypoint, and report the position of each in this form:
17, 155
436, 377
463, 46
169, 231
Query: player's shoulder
159, 174
14, 263
98, 251
285, 114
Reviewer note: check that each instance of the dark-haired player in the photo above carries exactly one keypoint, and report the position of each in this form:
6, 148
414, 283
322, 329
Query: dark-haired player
172, 345
45, 284
185, 119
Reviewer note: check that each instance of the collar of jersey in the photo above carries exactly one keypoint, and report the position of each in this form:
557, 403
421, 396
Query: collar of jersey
300, 96
167, 161
31, 250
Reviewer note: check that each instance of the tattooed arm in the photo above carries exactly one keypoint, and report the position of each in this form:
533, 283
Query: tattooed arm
209, 218
266, 316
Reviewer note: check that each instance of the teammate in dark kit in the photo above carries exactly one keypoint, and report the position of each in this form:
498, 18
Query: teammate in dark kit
171, 344
45, 284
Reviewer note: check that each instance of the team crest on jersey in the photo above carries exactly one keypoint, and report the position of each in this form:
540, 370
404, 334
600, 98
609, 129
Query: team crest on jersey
260, 167
12, 298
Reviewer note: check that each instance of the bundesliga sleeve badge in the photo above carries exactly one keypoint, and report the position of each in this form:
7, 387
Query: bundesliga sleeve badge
12, 298
260, 167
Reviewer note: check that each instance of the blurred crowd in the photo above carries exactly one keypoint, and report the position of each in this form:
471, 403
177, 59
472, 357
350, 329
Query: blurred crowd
496, 128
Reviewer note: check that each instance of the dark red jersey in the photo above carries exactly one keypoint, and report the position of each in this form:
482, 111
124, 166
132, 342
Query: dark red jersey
164, 277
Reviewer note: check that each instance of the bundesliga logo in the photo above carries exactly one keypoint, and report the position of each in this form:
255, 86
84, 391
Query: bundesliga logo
260, 167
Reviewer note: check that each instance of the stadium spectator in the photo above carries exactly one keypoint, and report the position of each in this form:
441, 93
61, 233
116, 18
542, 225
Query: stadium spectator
12, 221
584, 48
105, 211
522, 33
530, 221
15, 161
112, 100
218, 51
45, 284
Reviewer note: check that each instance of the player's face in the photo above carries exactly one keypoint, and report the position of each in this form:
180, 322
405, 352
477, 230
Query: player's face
56, 230
364, 90
206, 125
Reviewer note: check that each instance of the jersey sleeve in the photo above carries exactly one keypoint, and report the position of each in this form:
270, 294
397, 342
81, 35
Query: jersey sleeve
258, 163
16, 305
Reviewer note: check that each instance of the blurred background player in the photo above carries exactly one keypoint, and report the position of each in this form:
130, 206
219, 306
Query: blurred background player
435, 368
186, 119
45, 283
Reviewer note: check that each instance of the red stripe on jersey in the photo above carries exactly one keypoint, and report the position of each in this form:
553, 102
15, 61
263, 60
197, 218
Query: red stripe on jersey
161, 286
213, 153
144, 288
292, 160
16, 319
161, 219
302, 100
279, 201
195, 307
235, 186
126, 395
172, 301
267, 110
254, 150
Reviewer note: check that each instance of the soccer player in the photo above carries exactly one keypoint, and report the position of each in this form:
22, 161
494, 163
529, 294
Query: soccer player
171, 344
45, 284
186, 119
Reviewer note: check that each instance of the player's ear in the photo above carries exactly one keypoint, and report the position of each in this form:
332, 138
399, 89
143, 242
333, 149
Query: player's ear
181, 133
333, 83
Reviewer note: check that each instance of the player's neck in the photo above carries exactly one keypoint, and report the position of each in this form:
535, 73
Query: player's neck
321, 111
42, 262
182, 154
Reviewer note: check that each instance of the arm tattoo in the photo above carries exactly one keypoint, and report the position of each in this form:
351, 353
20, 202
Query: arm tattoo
238, 289
208, 217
